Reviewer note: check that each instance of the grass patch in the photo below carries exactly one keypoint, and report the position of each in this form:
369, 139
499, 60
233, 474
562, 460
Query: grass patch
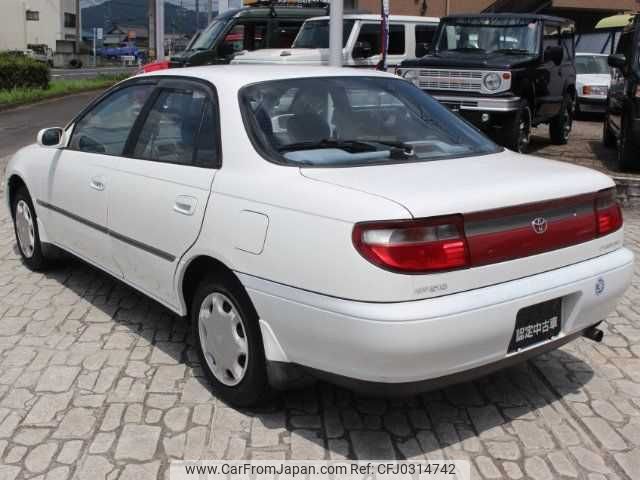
57, 88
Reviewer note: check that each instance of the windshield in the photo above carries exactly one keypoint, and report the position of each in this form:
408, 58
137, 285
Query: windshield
208, 37
592, 64
315, 34
489, 34
353, 121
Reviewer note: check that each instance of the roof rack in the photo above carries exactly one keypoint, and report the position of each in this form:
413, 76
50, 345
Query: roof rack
289, 3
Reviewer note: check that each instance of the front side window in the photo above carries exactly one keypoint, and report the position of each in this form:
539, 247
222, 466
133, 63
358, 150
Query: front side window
106, 128
489, 34
551, 36
354, 121
180, 128
285, 34
315, 34
246, 36
424, 35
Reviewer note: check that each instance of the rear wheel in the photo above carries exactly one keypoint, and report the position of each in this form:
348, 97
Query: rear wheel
626, 147
608, 138
517, 134
228, 337
561, 125
25, 224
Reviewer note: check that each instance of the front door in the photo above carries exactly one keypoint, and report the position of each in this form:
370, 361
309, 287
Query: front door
162, 186
617, 91
81, 176
549, 80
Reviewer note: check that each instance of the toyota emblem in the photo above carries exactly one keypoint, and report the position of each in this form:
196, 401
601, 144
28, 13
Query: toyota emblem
539, 225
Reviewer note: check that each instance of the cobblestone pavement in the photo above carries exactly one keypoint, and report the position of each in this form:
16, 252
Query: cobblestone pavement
99, 382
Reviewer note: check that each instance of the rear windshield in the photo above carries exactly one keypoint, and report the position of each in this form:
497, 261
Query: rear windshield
354, 121
591, 64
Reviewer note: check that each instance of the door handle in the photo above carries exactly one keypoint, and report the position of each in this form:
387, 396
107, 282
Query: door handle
185, 205
97, 184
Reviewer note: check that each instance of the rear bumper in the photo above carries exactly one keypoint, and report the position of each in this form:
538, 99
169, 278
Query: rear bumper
423, 341
592, 104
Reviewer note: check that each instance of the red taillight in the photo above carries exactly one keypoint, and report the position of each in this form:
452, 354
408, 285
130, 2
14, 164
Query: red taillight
414, 246
155, 66
608, 213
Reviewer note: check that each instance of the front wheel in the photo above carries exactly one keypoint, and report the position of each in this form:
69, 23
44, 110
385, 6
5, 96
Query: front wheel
517, 133
25, 224
561, 125
228, 337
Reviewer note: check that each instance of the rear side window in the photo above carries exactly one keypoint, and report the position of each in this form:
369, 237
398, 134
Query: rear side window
106, 128
180, 128
551, 36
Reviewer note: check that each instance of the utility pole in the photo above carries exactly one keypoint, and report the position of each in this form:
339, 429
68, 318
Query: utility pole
335, 33
160, 29
151, 6
209, 11
197, 14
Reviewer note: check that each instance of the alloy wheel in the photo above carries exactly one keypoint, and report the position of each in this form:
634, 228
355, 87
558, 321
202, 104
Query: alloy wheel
223, 339
25, 228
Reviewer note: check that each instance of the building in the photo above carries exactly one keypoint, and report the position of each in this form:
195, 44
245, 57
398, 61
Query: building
586, 13
54, 23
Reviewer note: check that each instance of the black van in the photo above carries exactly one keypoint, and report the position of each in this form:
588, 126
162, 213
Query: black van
262, 25
622, 123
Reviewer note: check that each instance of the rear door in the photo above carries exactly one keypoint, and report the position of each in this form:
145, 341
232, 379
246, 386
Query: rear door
162, 187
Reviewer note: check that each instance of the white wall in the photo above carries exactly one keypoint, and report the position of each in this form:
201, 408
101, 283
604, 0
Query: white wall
16, 32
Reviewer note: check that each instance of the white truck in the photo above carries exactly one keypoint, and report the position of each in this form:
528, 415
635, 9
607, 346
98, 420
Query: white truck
409, 37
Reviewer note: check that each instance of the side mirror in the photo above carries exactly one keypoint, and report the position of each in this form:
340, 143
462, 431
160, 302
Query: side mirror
362, 50
51, 137
618, 61
554, 54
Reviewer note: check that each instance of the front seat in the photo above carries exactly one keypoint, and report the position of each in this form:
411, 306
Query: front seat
308, 127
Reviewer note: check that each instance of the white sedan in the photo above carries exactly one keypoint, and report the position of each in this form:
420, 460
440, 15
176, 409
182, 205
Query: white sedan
318, 222
592, 82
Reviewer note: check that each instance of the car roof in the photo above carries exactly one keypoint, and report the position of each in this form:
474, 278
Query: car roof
237, 76
377, 18
524, 16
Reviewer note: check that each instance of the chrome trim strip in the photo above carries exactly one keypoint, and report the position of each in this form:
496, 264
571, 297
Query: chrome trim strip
522, 220
134, 243
484, 104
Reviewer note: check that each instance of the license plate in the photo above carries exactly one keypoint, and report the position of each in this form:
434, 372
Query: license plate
536, 324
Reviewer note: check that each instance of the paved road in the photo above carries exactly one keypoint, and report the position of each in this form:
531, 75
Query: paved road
87, 72
98, 382
19, 127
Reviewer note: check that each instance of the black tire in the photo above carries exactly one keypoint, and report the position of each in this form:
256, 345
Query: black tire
34, 260
627, 150
517, 133
609, 140
561, 125
254, 387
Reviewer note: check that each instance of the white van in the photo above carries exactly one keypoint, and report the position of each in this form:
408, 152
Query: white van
409, 38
